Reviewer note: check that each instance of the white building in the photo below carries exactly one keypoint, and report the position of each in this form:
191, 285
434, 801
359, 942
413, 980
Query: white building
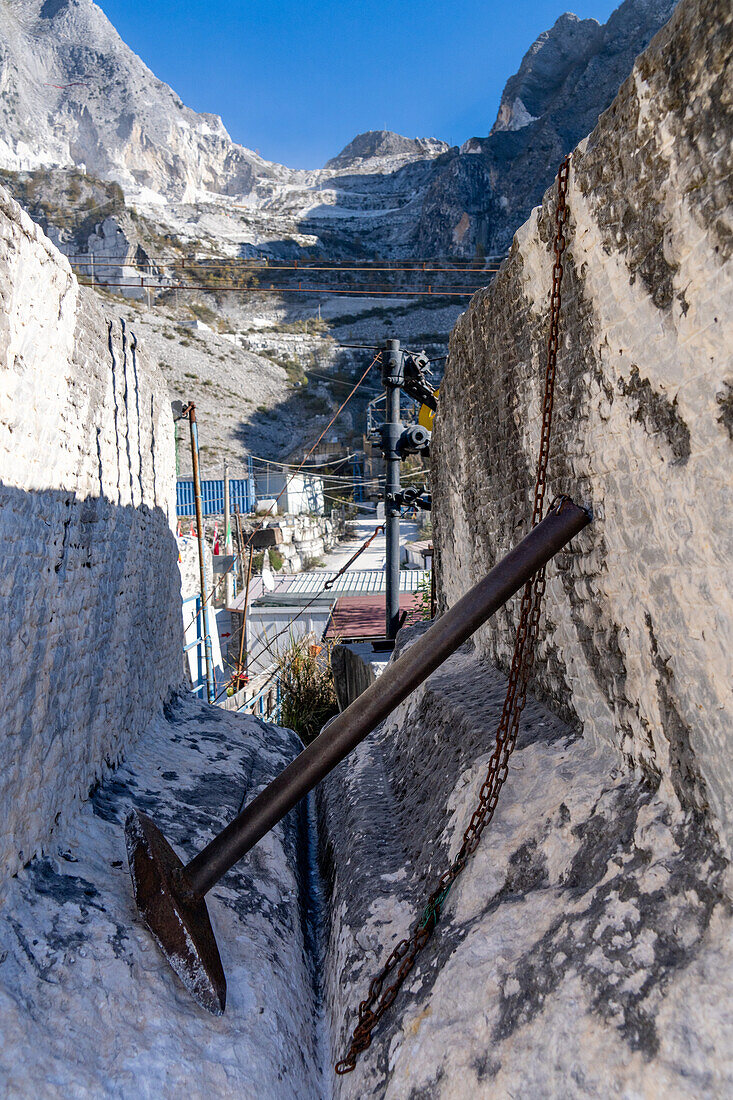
302, 493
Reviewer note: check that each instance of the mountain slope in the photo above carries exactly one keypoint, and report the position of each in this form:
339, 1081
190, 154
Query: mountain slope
72, 93
126, 173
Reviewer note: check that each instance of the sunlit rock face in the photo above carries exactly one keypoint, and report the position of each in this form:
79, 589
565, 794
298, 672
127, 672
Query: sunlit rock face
589, 933
73, 94
88, 1003
636, 648
89, 586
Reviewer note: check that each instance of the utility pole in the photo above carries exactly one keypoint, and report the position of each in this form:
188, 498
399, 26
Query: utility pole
393, 376
208, 654
229, 578
408, 370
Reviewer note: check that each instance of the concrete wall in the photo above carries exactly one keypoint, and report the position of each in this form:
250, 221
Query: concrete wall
301, 494
89, 584
637, 640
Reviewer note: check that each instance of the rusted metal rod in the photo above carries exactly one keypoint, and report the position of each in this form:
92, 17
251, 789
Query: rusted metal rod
170, 897
397, 681
243, 635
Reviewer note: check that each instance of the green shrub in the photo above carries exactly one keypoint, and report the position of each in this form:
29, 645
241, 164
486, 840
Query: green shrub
312, 562
424, 599
307, 689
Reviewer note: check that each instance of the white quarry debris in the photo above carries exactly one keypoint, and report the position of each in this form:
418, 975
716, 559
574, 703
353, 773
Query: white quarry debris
88, 1005
245, 397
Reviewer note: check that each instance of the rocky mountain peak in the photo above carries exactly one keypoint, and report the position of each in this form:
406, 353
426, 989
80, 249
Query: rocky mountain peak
544, 70
72, 93
567, 78
385, 143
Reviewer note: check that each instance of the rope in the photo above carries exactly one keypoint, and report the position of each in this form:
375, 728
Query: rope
403, 957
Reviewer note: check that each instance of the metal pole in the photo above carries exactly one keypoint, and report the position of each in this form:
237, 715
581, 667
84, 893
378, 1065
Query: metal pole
210, 692
229, 578
243, 635
240, 545
350, 727
392, 378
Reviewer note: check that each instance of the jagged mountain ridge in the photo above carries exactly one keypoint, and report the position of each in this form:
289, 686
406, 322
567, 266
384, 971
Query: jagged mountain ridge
384, 143
72, 93
481, 193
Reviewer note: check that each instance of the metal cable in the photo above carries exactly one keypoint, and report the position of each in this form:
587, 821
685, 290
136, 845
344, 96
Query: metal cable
289, 481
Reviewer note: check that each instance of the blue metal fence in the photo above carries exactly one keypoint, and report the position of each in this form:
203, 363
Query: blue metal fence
241, 495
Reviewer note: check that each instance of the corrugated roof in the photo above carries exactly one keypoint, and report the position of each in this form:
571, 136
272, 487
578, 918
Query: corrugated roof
355, 582
297, 587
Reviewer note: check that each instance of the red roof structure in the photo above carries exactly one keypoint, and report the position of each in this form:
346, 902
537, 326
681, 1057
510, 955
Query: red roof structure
358, 618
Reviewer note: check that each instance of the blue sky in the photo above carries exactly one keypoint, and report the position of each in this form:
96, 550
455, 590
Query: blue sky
297, 79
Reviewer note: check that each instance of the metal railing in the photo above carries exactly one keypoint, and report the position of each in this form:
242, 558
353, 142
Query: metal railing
198, 643
266, 704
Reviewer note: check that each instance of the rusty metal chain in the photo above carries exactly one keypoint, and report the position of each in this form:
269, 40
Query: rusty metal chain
402, 959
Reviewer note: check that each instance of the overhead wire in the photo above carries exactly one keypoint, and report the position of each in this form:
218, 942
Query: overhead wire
289, 481
333, 292
267, 648
293, 466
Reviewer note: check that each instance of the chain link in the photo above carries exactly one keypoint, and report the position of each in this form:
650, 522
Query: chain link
402, 959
